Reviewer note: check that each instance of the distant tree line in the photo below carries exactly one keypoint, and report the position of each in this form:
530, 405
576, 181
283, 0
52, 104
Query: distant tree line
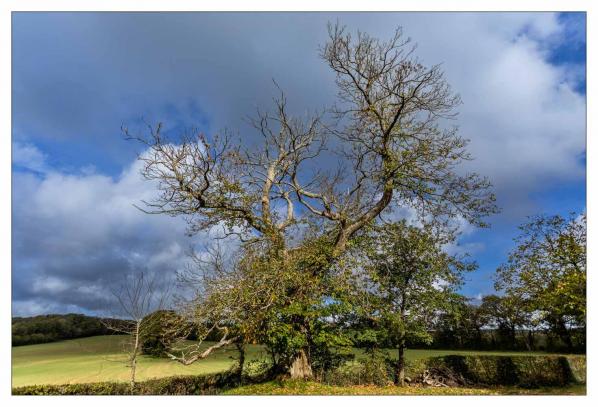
51, 328
540, 302
489, 324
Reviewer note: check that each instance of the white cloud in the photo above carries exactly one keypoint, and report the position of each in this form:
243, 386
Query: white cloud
525, 122
75, 236
28, 156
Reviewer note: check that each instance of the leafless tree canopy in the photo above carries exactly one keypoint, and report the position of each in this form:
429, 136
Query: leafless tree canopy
138, 296
394, 152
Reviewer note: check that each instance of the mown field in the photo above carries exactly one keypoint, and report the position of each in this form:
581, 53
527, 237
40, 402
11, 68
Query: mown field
101, 358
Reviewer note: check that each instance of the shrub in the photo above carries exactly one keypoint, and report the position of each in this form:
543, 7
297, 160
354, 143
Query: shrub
522, 371
327, 358
257, 367
375, 369
577, 364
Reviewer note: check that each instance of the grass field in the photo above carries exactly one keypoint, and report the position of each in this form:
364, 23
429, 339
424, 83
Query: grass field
100, 358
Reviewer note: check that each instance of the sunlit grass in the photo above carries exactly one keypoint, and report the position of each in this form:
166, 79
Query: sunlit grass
299, 387
101, 358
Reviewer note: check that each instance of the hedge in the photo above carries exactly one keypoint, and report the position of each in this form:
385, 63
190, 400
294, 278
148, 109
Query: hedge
174, 385
522, 371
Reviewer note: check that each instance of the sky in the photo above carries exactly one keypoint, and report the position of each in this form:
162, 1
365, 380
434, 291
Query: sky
78, 77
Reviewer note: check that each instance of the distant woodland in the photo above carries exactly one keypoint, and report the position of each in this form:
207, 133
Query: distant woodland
51, 328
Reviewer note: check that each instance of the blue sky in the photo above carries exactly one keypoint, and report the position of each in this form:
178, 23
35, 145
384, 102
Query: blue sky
76, 77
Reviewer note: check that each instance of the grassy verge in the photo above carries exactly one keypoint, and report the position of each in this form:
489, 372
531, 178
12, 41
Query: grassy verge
299, 387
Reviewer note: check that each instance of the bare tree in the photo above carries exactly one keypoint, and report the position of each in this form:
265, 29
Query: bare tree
392, 151
137, 297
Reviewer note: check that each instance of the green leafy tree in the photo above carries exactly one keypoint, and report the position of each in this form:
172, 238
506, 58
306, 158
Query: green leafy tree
408, 279
547, 270
460, 324
508, 315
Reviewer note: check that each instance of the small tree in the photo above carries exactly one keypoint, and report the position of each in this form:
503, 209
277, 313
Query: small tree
547, 270
409, 277
138, 297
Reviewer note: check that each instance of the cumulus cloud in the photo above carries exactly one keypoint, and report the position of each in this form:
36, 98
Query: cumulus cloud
525, 121
75, 236
28, 156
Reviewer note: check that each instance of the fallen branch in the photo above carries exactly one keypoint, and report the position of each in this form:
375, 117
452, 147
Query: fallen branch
195, 354
441, 377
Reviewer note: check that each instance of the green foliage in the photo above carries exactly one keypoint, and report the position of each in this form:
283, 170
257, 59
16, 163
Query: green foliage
303, 306
257, 367
307, 326
459, 325
377, 369
103, 388
486, 370
408, 279
547, 270
51, 328
156, 336
374, 369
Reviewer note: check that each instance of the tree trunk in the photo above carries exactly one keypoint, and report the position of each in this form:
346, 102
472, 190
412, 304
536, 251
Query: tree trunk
133, 368
513, 335
400, 379
565, 334
134, 354
530, 340
241, 350
301, 367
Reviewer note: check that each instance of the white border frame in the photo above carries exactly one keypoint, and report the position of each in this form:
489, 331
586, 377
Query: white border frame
7, 6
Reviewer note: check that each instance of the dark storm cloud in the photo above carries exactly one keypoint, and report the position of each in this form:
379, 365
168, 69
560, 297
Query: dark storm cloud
77, 77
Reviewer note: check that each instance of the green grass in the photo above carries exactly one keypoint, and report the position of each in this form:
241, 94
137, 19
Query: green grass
100, 358
299, 387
